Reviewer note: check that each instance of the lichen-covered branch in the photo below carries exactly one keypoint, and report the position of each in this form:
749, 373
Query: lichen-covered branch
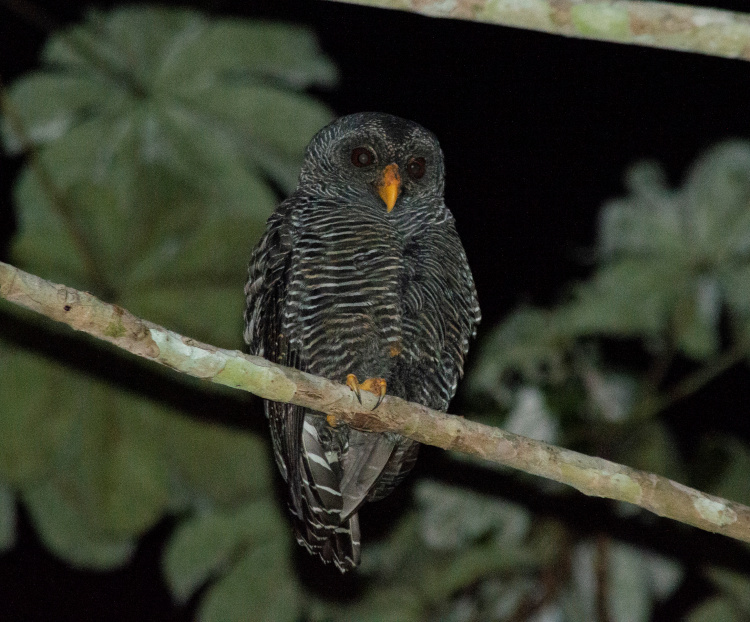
592, 476
653, 24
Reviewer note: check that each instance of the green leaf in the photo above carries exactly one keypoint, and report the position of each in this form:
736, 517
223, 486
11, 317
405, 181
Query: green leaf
261, 586
528, 342
734, 585
40, 407
531, 416
385, 604
716, 609
156, 180
633, 582
229, 466
7, 518
734, 282
717, 194
49, 105
649, 222
66, 533
636, 581
696, 319
117, 471
722, 466
650, 447
629, 298
158, 133
274, 126
250, 50
206, 544
452, 518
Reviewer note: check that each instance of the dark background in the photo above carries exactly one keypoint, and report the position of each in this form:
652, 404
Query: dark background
537, 132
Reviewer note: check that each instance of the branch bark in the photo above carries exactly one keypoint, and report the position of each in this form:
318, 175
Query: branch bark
653, 24
592, 476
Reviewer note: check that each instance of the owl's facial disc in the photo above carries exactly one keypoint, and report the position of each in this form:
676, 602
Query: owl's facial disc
389, 186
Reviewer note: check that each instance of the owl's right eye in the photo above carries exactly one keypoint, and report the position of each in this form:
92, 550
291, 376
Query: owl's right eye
362, 156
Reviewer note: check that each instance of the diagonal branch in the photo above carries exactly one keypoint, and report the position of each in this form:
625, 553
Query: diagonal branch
592, 476
653, 24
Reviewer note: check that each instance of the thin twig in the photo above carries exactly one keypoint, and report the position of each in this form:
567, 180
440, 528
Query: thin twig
592, 476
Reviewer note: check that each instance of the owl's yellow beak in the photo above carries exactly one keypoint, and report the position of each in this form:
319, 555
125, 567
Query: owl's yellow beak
390, 186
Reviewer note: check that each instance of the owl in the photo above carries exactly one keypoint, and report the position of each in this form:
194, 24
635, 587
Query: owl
360, 277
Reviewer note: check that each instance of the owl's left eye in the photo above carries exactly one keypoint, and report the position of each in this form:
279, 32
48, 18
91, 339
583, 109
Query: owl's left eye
416, 168
362, 156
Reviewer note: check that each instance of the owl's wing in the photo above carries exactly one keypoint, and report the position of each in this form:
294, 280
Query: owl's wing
266, 291
440, 313
299, 446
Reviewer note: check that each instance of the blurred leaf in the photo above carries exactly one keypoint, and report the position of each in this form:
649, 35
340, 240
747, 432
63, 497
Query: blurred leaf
635, 582
721, 468
452, 518
205, 545
40, 406
386, 604
647, 222
7, 518
449, 573
159, 133
612, 394
650, 447
696, 319
716, 609
261, 586
165, 139
529, 343
114, 471
531, 417
227, 465
734, 585
578, 599
66, 533
718, 198
630, 298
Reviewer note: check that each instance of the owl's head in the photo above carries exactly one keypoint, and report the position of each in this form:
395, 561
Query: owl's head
375, 157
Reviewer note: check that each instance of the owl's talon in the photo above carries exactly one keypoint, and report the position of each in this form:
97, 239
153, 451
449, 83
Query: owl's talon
381, 396
377, 386
353, 384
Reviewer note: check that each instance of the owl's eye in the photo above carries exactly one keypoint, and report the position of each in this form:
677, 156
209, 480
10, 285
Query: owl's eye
362, 156
416, 168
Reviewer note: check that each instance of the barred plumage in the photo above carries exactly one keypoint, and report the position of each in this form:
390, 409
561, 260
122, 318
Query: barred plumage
349, 279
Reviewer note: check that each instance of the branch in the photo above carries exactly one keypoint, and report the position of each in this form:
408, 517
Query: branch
592, 476
653, 24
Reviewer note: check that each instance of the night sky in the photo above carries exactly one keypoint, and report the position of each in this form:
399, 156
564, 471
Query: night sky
537, 131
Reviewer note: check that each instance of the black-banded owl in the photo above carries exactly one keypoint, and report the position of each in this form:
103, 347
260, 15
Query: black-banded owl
360, 275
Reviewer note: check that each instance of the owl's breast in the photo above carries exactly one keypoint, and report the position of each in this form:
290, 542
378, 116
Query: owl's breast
344, 294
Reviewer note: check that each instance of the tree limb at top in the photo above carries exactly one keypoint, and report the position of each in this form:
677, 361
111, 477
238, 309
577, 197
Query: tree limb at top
592, 476
653, 24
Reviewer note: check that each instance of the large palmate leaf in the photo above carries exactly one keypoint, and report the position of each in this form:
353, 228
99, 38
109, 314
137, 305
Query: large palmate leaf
157, 132
209, 543
160, 139
671, 260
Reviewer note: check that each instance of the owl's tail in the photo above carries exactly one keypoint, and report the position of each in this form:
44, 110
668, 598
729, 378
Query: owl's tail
338, 544
320, 523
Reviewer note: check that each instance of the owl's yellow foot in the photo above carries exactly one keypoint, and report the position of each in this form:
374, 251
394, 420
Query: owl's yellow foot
375, 386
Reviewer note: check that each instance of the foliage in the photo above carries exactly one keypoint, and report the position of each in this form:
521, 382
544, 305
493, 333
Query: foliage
156, 141
670, 282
